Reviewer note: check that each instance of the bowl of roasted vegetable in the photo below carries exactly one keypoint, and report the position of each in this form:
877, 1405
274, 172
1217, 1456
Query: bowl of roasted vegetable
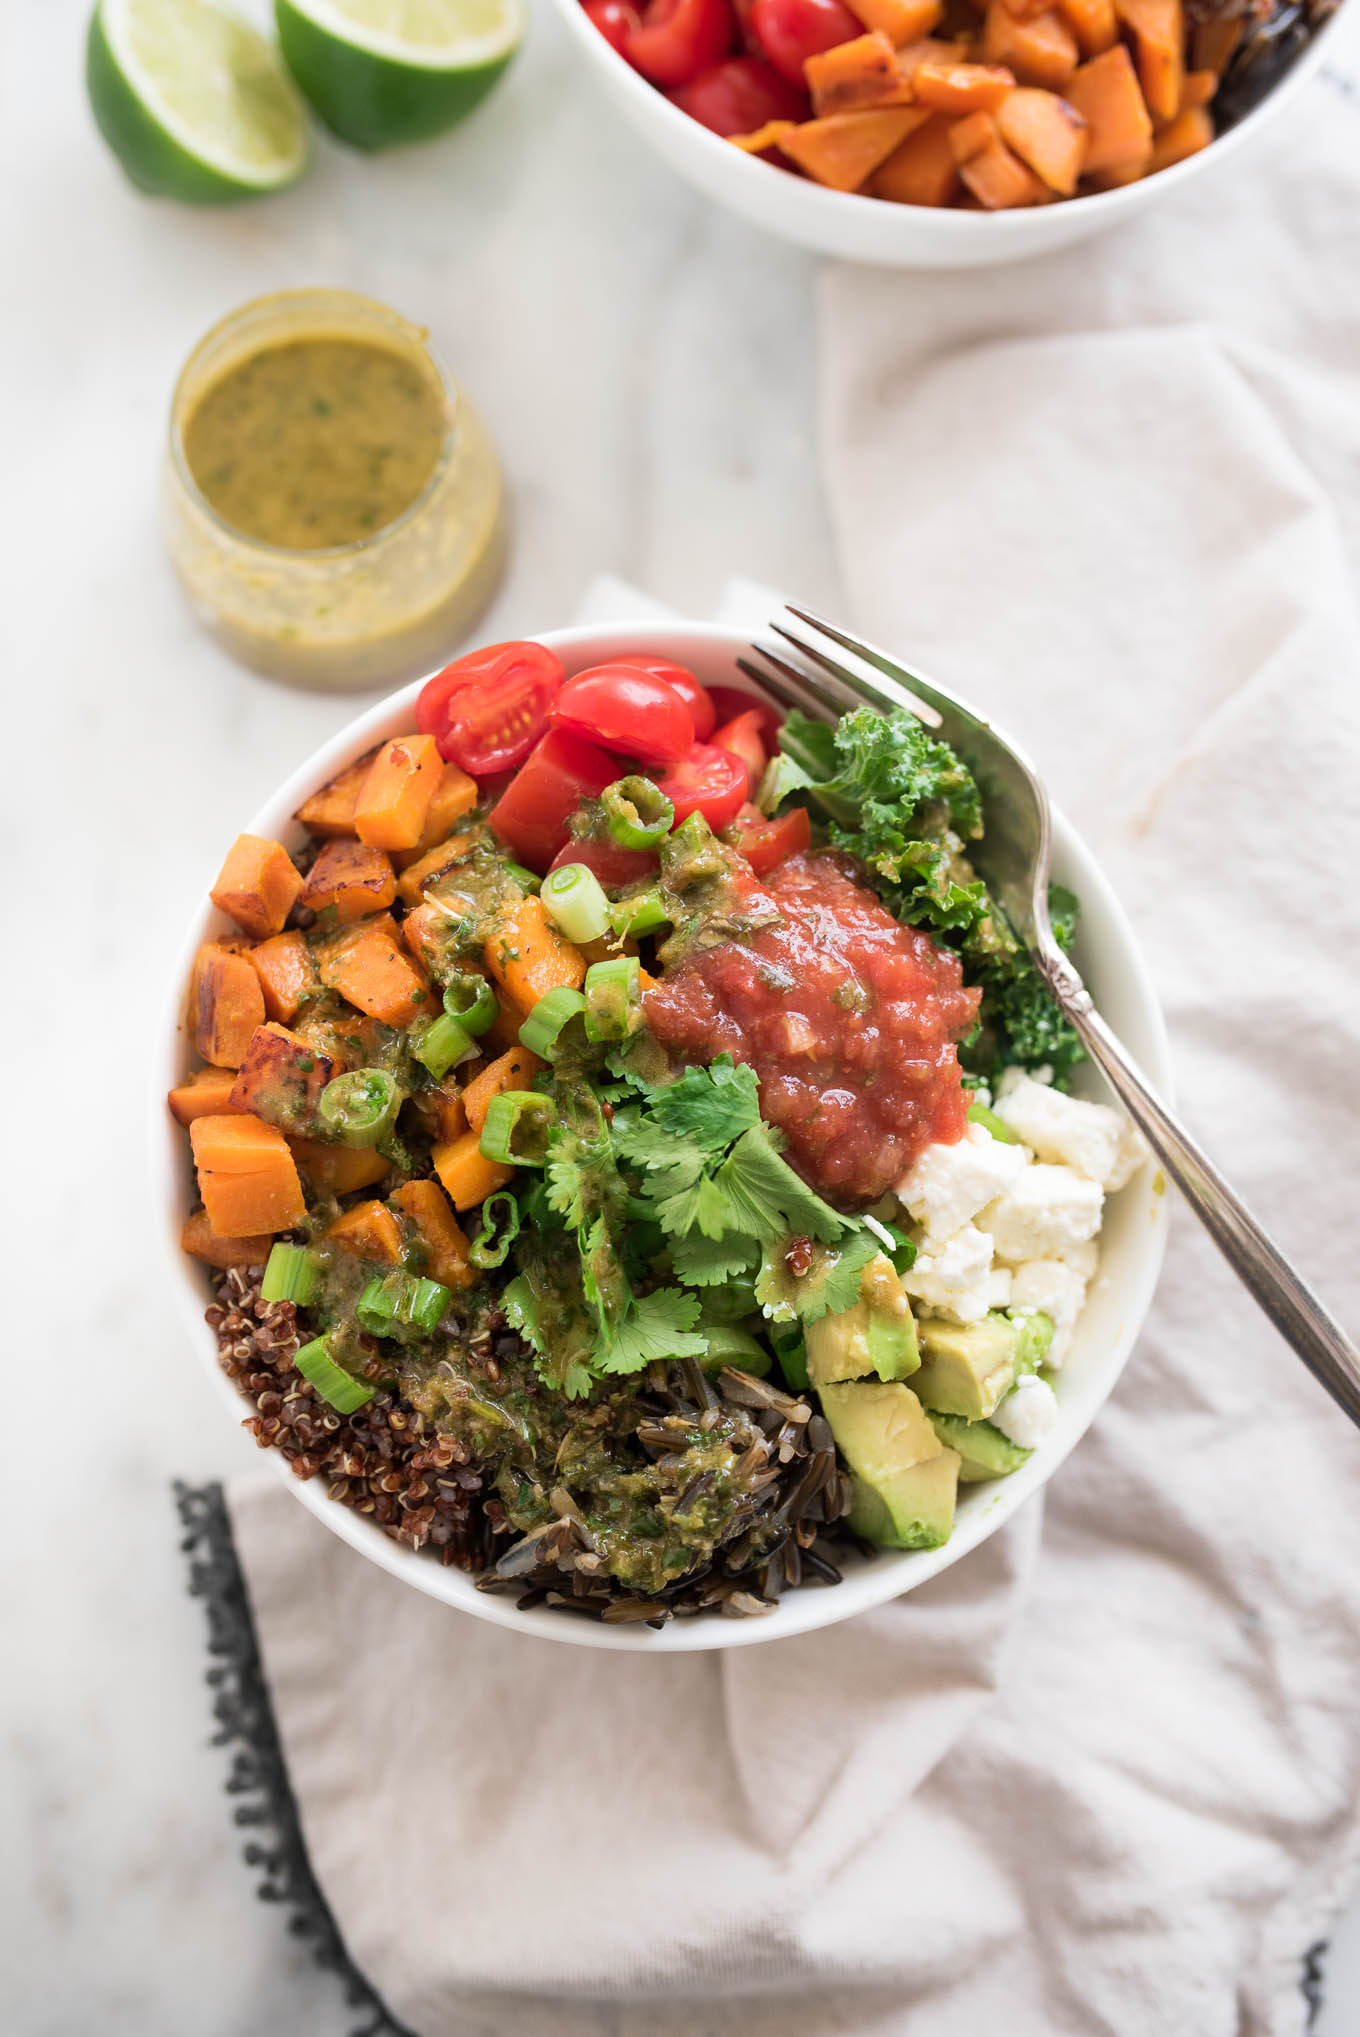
978, 131
620, 1164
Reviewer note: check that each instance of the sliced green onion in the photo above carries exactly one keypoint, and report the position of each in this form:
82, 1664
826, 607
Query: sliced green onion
542, 1028
500, 1228
727, 1345
472, 1002
978, 1114
394, 1298
516, 1128
613, 998
638, 813
527, 880
574, 901
641, 914
344, 1392
441, 1045
289, 1275
361, 1107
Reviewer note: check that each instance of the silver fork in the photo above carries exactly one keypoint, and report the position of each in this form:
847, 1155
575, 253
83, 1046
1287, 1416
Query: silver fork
1018, 847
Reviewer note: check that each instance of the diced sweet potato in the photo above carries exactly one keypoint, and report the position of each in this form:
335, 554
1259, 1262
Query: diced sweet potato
844, 149
435, 932
1106, 95
512, 1070
257, 885
287, 974
760, 139
226, 1004
1093, 22
1198, 89
962, 88
1184, 136
969, 136
900, 20
1047, 134
350, 880
281, 1078
337, 1170
1041, 51
397, 792
370, 1231
1115, 178
455, 795
331, 810
1214, 42
468, 1176
200, 1240
440, 1248
246, 1176
930, 50
434, 864
921, 170
861, 72
441, 1109
201, 1095
524, 953
1159, 37
999, 179
369, 965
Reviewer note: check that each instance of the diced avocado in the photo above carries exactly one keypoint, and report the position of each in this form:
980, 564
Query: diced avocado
905, 1478
877, 1335
983, 1451
968, 1368
978, 1114
1036, 1334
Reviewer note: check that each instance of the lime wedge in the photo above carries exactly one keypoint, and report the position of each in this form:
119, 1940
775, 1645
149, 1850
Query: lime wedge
193, 103
385, 71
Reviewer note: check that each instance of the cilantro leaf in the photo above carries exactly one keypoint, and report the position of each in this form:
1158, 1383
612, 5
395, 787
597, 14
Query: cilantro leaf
703, 1206
829, 1283
712, 1262
659, 1325
766, 1198
562, 1358
712, 1105
674, 1162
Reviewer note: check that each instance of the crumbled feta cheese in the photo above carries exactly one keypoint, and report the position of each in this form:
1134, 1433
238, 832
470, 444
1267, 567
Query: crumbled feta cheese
951, 1276
1047, 1212
1097, 1141
1055, 1289
947, 1185
1027, 1413
1083, 1258
999, 1284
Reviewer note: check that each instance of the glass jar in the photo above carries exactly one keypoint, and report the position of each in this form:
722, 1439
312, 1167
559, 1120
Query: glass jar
377, 611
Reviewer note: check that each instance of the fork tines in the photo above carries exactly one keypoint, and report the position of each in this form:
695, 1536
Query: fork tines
832, 687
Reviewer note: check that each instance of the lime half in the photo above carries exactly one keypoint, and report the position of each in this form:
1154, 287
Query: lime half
385, 71
193, 103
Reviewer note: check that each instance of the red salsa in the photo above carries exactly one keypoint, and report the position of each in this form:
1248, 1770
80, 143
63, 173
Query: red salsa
849, 1019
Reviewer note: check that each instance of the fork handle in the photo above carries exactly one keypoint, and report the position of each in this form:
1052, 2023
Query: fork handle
1291, 1305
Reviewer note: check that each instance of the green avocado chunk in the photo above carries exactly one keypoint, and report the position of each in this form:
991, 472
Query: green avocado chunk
968, 1368
905, 1478
983, 1451
877, 1335
1036, 1334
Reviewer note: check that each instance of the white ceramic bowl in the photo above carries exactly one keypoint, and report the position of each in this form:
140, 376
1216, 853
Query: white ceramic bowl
871, 229
1131, 1242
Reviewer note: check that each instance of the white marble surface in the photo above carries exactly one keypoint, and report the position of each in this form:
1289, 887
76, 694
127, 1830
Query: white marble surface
647, 368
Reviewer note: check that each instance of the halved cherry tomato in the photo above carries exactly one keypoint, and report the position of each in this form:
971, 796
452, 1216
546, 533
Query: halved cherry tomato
627, 710
791, 31
531, 815
739, 95
615, 20
487, 710
680, 38
730, 701
742, 737
708, 781
685, 684
746, 34
614, 865
767, 842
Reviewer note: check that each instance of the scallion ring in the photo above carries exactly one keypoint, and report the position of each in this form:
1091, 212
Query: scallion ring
613, 998
574, 901
339, 1388
500, 1228
638, 813
360, 1108
290, 1275
442, 1045
516, 1128
472, 1002
544, 1025
641, 914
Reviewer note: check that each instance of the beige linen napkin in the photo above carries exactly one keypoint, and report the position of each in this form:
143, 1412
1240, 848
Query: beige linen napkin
1102, 1776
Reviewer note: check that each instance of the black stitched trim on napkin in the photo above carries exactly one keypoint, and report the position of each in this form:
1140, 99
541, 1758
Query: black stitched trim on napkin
259, 1775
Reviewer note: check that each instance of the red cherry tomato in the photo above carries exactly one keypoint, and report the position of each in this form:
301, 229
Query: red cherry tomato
628, 711
487, 710
791, 31
767, 842
739, 95
746, 34
531, 815
614, 865
685, 684
730, 701
680, 38
615, 20
742, 737
708, 781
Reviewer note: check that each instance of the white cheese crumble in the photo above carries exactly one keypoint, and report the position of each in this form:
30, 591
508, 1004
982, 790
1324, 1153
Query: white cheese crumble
1096, 1140
1048, 1211
950, 1275
1027, 1413
947, 1185
1058, 1291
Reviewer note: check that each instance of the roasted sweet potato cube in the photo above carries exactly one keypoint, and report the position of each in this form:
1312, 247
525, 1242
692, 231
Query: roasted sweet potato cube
1047, 134
1198, 89
369, 1231
337, 1170
287, 974
515, 1069
1093, 22
930, 50
331, 810
1214, 42
962, 88
900, 20
969, 136
281, 1079
999, 179
861, 72
844, 149
1041, 51
434, 1245
226, 1004
369, 965
1159, 41
419, 876
761, 140
466, 1173
440, 1108
203, 1094
246, 1176
397, 792
1106, 95
455, 795
350, 880
1184, 136
524, 953
199, 1239
257, 885
921, 170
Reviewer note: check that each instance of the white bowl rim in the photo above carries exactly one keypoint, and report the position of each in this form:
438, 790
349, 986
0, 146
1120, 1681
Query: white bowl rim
888, 1576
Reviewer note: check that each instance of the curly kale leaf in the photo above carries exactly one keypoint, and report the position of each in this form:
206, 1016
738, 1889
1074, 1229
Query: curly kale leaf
877, 770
